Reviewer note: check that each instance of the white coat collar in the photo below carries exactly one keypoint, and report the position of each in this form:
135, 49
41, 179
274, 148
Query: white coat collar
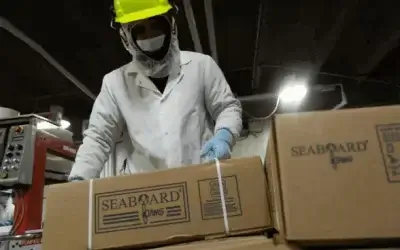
184, 59
174, 78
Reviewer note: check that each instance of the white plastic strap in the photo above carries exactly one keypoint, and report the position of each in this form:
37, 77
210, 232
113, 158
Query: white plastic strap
90, 216
222, 195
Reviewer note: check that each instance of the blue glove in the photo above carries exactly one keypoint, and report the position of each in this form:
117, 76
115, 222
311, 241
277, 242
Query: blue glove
219, 146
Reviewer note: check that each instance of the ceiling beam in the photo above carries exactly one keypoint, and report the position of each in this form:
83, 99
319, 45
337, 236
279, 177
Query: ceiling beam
208, 7
383, 48
187, 5
5, 24
56, 95
327, 44
255, 78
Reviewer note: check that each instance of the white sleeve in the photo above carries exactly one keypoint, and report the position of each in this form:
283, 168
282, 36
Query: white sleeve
222, 105
105, 126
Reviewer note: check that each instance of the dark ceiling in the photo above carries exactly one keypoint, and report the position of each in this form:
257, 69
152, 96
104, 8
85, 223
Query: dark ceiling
257, 43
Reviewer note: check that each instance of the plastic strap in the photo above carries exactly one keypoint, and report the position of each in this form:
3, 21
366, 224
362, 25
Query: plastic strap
90, 215
222, 196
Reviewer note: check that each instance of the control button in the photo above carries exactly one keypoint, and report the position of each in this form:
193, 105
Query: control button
9, 155
15, 160
7, 161
19, 130
17, 153
11, 147
3, 174
20, 146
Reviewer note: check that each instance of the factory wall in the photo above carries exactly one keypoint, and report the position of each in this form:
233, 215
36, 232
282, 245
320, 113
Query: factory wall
255, 144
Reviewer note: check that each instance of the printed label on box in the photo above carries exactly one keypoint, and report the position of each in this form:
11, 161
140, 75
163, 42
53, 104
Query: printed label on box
389, 142
210, 197
141, 208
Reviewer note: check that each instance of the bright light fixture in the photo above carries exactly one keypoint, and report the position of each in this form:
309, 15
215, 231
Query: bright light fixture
47, 125
65, 124
293, 92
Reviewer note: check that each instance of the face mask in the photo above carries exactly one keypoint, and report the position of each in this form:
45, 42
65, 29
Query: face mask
147, 65
152, 44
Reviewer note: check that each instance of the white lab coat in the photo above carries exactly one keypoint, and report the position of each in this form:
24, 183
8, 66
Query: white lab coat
123, 151
124, 161
165, 129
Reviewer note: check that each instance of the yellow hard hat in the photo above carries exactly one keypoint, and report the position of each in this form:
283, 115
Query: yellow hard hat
133, 10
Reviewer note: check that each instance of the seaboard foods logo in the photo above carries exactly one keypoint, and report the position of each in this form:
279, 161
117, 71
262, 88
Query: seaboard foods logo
339, 153
141, 208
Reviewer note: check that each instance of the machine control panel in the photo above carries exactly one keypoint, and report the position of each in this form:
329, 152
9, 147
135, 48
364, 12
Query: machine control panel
17, 162
3, 141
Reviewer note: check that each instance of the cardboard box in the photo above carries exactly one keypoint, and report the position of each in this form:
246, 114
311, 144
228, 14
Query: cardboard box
155, 208
237, 243
336, 175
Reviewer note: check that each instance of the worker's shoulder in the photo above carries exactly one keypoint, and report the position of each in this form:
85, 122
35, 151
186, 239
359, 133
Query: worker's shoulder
115, 75
187, 56
117, 71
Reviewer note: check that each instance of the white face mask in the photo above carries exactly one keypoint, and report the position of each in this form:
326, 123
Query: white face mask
144, 63
152, 44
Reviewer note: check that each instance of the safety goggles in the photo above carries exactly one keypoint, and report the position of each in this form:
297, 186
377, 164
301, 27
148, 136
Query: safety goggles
156, 25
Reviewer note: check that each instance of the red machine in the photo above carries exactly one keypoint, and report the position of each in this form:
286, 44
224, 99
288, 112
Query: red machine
31, 160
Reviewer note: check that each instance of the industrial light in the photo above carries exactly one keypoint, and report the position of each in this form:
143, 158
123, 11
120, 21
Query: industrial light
47, 125
65, 124
294, 92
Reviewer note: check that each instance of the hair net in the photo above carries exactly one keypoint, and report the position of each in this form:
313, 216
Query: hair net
147, 65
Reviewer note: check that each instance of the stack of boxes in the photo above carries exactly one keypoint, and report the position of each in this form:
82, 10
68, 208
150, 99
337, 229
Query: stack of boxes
332, 178
335, 176
159, 208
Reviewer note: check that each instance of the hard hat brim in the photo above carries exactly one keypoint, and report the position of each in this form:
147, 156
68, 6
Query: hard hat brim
144, 14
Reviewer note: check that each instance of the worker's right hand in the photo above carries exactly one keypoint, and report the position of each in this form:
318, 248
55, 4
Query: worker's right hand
218, 147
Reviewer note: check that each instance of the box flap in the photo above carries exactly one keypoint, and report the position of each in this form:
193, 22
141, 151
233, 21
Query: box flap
274, 184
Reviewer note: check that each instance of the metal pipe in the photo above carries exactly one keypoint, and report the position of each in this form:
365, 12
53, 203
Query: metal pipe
312, 70
20, 237
258, 97
44, 114
254, 81
380, 52
4, 23
343, 102
187, 5
327, 44
208, 7
320, 88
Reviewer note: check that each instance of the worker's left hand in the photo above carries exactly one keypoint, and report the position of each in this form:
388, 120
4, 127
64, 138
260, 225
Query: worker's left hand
219, 146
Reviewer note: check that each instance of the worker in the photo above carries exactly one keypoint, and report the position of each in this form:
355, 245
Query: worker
175, 105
